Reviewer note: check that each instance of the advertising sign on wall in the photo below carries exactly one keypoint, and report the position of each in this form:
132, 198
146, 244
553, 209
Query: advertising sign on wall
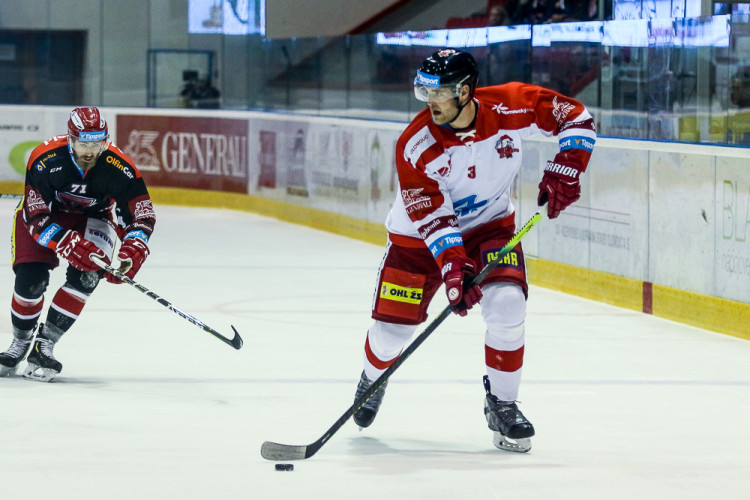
20, 133
187, 152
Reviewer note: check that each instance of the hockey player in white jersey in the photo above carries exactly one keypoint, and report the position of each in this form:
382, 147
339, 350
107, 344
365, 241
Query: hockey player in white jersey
456, 163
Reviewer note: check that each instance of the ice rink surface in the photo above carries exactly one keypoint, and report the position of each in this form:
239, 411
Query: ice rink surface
148, 406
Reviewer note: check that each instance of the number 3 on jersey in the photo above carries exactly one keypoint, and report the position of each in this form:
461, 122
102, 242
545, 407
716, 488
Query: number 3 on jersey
472, 172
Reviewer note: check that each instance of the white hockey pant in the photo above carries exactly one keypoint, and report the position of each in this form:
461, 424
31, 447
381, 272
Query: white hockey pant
386, 341
504, 312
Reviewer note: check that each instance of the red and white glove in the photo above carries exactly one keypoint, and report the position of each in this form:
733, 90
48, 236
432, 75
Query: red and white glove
560, 186
457, 275
77, 250
132, 255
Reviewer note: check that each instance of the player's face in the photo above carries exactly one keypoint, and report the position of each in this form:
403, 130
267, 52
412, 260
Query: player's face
87, 152
445, 109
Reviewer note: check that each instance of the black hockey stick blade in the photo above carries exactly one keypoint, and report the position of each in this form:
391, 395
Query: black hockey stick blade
235, 341
283, 452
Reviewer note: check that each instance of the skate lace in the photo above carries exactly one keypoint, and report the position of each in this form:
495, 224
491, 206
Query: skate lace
507, 411
374, 401
45, 347
18, 347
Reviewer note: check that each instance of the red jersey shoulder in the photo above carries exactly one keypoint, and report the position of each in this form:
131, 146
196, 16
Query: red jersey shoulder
117, 158
49, 149
423, 119
509, 95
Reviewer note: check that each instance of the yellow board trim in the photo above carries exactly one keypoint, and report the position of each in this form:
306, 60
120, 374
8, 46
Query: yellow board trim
702, 311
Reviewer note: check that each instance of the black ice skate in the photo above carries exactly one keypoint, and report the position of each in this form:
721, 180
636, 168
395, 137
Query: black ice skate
42, 363
512, 429
11, 359
365, 414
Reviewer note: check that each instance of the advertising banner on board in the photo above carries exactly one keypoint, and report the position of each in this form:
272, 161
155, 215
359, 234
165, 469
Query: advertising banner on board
187, 152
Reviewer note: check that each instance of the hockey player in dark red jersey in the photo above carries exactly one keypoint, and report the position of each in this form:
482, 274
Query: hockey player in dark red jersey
82, 196
456, 162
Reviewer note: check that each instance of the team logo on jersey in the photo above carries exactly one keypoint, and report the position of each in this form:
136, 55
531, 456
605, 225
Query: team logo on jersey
505, 147
561, 110
144, 210
35, 202
71, 200
414, 200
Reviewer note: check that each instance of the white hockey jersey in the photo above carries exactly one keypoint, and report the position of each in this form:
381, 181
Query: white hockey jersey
453, 181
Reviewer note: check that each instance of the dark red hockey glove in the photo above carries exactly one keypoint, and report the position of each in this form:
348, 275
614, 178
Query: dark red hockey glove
132, 255
78, 251
457, 275
560, 186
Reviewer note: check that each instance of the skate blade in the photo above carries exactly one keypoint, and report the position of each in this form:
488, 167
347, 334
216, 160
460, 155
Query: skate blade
521, 445
8, 372
39, 374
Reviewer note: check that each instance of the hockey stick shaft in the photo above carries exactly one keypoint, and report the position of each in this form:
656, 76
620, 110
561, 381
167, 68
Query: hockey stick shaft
235, 341
276, 451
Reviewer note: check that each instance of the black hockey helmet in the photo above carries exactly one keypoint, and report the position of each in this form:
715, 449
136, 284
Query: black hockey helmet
447, 70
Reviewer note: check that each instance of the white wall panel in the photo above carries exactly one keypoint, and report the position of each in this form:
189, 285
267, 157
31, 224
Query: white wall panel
681, 243
732, 235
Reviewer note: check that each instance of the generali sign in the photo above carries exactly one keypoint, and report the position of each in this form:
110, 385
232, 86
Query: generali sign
187, 152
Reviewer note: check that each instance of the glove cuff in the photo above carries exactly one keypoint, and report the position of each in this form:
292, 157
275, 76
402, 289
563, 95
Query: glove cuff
457, 252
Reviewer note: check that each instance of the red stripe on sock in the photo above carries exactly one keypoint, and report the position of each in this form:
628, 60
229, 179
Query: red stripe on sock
505, 361
23, 308
68, 302
374, 360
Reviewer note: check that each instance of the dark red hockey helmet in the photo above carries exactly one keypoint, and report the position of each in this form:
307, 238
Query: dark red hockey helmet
87, 124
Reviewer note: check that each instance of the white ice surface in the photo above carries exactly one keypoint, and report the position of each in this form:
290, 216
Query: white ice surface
148, 406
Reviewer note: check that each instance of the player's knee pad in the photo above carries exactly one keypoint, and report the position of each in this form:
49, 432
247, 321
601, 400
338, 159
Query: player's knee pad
386, 340
82, 281
31, 279
504, 312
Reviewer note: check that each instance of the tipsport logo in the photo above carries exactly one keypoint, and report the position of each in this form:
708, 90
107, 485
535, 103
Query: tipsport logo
427, 80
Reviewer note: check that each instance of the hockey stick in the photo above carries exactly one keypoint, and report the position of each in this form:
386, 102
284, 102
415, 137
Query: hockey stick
235, 342
282, 452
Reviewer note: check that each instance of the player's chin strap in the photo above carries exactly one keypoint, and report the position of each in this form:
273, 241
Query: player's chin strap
235, 342
460, 110
283, 452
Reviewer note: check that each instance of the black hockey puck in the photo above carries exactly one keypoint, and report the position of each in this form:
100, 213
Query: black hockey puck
284, 467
